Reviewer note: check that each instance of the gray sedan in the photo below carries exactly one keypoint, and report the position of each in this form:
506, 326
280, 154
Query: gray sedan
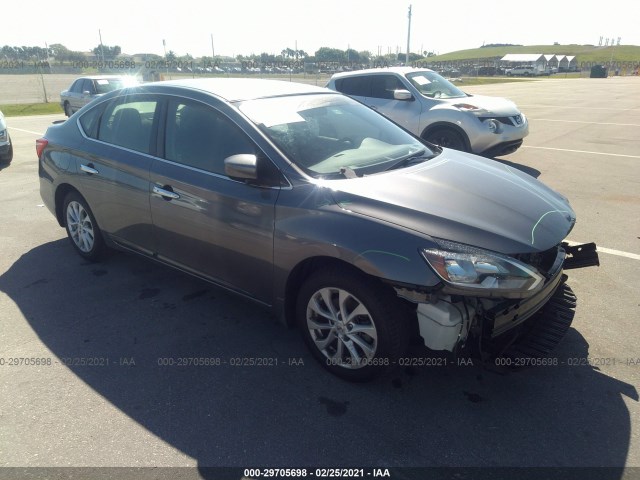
84, 89
317, 207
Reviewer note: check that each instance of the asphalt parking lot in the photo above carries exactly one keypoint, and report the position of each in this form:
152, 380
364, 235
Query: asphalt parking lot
105, 397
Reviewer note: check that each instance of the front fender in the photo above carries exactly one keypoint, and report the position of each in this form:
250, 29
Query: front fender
310, 224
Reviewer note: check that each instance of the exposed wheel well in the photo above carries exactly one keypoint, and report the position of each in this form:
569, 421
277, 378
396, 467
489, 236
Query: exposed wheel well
301, 272
446, 125
61, 192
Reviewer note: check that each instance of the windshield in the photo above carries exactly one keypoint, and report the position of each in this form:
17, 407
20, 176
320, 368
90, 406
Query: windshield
327, 135
106, 85
432, 85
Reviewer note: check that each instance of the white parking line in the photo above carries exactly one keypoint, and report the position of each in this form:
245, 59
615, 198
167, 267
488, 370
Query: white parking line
582, 151
26, 131
584, 107
610, 251
581, 121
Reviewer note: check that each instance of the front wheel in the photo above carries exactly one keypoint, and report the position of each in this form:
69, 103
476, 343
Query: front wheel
67, 109
82, 229
446, 137
352, 324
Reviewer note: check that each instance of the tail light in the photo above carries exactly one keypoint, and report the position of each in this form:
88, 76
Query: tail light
40, 144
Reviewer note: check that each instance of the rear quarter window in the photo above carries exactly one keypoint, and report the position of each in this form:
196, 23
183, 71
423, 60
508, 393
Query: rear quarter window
89, 121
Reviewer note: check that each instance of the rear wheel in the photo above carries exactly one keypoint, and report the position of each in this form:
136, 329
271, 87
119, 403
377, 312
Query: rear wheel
82, 229
352, 324
446, 137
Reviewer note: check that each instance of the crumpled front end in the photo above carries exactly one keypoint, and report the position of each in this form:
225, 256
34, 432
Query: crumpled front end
459, 320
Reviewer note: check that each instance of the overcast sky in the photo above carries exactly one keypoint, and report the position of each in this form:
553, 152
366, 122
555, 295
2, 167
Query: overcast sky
253, 26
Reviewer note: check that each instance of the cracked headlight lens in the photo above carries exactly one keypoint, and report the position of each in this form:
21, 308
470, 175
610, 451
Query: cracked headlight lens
474, 268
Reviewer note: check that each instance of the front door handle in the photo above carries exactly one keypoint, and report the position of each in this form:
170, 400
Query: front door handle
89, 169
164, 193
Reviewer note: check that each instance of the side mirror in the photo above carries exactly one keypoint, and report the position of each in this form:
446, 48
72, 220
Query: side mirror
402, 95
86, 93
241, 167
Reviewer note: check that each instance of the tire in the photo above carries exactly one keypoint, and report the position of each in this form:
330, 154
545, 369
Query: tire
67, 109
446, 137
82, 228
6, 158
364, 345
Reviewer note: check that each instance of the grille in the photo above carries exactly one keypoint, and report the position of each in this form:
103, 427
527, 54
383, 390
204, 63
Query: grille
513, 121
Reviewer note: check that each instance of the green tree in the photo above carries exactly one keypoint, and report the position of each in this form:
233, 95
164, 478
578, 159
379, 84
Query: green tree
326, 54
108, 52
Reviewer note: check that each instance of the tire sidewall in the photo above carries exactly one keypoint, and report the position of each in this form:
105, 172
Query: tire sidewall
379, 303
432, 137
98, 248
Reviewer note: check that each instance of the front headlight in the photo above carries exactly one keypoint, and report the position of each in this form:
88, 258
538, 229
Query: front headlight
486, 272
493, 125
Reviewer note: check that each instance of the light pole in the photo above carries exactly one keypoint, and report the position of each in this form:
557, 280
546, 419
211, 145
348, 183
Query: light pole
408, 37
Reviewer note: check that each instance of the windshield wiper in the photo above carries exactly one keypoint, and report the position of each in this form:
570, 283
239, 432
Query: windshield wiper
344, 172
348, 172
403, 162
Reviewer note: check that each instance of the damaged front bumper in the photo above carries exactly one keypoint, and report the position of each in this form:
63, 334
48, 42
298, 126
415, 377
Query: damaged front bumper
489, 327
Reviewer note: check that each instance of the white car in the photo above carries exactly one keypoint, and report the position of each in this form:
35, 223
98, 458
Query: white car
527, 71
431, 107
6, 148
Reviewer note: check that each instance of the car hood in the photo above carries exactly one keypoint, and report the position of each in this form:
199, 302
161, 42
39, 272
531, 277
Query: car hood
463, 198
498, 106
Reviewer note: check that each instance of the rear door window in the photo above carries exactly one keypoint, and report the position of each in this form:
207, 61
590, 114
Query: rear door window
129, 123
359, 85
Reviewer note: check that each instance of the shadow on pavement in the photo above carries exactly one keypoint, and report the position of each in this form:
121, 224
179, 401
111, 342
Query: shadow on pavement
297, 414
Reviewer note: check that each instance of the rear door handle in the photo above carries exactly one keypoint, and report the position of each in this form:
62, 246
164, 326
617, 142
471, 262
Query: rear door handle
89, 169
164, 193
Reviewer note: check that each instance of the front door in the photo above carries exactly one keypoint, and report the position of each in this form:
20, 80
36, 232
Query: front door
204, 221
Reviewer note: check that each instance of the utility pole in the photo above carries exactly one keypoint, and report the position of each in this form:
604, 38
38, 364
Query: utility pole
101, 46
213, 51
408, 37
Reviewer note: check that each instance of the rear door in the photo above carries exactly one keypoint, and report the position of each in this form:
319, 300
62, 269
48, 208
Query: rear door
114, 171
204, 221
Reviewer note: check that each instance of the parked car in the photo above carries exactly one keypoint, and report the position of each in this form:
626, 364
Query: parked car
314, 205
84, 89
6, 147
434, 109
525, 70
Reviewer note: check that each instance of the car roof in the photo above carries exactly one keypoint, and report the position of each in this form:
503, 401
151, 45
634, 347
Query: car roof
399, 70
238, 89
100, 77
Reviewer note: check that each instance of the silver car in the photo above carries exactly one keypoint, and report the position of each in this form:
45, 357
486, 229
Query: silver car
433, 108
85, 89
6, 148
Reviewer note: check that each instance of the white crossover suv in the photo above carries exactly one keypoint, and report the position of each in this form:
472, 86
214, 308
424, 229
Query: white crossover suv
433, 108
